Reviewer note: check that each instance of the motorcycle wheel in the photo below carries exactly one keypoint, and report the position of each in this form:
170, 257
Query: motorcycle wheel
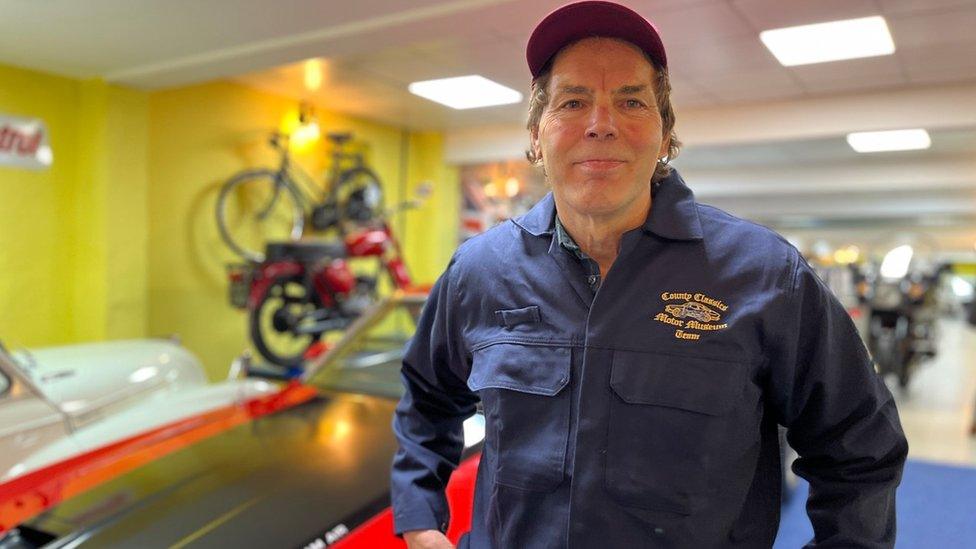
881, 346
903, 356
276, 321
905, 366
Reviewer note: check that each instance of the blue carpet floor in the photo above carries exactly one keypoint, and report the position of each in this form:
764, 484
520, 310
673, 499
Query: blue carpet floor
936, 509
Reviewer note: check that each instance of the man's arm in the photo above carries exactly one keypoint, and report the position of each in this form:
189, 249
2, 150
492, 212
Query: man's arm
840, 417
429, 417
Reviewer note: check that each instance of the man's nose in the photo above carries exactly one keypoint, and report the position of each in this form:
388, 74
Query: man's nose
601, 124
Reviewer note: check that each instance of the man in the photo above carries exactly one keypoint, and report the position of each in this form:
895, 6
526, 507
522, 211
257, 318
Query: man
635, 351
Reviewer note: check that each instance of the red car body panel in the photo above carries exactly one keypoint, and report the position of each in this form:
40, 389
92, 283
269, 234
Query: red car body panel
378, 531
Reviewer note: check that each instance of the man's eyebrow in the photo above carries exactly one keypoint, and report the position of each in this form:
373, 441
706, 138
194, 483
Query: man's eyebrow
575, 90
631, 89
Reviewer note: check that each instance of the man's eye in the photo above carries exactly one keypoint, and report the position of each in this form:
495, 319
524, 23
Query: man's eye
634, 104
573, 104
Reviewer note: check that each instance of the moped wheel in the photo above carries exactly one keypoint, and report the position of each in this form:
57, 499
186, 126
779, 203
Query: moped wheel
256, 207
277, 322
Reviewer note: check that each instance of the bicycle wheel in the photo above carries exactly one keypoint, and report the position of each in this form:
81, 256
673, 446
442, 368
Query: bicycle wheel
256, 207
358, 195
276, 322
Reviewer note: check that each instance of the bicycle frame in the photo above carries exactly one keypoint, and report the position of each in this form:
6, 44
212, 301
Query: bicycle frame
296, 177
288, 194
336, 169
310, 193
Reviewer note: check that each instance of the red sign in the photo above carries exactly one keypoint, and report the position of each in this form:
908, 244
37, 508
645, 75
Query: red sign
23, 143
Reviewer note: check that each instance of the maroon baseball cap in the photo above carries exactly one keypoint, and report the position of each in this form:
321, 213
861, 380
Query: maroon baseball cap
573, 22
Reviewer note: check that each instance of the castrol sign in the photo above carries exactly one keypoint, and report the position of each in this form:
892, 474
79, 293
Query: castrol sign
24, 143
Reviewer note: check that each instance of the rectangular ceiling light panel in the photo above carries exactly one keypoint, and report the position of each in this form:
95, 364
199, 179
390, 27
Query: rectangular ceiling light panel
833, 41
894, 140
465, 92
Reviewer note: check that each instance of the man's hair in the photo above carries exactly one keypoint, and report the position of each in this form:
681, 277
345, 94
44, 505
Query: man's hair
539, 100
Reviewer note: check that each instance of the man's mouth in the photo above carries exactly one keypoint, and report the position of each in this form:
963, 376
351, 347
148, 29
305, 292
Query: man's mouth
600, 163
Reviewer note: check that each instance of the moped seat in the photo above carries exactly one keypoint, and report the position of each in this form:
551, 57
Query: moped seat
304, 251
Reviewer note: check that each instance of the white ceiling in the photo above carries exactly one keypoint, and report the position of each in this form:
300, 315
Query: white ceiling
739, 111
374, 48
713, 46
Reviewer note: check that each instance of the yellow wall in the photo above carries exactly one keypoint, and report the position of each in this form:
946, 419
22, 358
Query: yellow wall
65, 276
200, 136
109, 244
118, 239
430, 233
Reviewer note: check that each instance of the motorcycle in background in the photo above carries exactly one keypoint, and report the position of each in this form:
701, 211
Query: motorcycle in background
903, 314
305, 289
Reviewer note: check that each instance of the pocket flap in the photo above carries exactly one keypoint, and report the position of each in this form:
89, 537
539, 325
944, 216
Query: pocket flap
514, 317
533, 369
695, 384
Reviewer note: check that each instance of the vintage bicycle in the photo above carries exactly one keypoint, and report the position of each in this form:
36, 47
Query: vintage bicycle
264, 205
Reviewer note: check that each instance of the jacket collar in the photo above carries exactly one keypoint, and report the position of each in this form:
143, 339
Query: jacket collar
673, 215
541, 219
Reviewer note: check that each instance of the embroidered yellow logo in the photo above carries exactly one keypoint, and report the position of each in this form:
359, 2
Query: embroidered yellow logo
691, 314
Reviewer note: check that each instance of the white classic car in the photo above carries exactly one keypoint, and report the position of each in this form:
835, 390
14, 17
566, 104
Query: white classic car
60, 402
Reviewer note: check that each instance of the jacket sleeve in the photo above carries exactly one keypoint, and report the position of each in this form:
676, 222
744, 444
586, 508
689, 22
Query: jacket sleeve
429, 417
839, 415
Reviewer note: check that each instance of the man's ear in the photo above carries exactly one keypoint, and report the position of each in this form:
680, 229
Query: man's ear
665, 145
534, 142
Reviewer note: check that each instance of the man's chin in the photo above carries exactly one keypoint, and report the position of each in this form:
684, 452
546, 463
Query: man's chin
592, 201
598, 206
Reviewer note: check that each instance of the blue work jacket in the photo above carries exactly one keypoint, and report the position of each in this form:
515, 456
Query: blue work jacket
644, 414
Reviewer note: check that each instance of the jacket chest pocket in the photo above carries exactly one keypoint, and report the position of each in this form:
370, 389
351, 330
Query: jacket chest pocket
668, 422
527, 408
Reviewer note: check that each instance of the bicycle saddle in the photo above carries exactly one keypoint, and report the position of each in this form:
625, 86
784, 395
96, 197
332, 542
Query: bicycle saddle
340, 137
303, 251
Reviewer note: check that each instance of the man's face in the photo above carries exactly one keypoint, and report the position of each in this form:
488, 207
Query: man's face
600, 135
